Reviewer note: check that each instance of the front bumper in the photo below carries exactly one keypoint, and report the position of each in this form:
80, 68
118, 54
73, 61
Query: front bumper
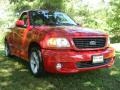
72, 61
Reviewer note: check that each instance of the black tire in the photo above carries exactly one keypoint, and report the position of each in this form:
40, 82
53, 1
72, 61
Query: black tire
7, 50
36, 63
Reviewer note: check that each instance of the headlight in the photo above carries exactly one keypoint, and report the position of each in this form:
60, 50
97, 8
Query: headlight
58, 42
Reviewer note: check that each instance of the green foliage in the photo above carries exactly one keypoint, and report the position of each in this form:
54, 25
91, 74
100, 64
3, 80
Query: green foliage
21, 5
114, 17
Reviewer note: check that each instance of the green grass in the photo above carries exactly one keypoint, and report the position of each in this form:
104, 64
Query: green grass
14, 75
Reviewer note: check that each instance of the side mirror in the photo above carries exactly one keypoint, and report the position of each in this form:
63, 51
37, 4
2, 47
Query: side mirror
20, 23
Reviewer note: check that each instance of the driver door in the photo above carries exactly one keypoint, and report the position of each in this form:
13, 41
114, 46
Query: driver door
20, 36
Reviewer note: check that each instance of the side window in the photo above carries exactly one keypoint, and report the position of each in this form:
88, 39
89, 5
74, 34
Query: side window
37, 19
24, 18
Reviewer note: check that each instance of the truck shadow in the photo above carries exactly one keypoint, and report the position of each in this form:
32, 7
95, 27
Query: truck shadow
14, 75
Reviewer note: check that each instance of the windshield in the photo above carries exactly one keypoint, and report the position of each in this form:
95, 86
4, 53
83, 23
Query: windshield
51, 18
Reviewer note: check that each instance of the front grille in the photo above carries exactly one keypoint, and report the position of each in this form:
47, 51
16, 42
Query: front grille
90, 64
89, 42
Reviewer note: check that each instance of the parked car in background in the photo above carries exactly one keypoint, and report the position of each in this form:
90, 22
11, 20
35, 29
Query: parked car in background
51, 41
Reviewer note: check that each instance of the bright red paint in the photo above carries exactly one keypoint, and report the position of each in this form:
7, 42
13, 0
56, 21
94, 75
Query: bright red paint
19, 23
20, 39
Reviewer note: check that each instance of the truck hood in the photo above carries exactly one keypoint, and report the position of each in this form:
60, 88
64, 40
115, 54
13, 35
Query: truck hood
82, 31
72, 31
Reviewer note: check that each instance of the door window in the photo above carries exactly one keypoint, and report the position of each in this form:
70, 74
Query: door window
24, 18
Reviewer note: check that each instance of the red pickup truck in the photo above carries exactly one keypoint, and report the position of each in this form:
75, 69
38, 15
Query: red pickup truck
52, 42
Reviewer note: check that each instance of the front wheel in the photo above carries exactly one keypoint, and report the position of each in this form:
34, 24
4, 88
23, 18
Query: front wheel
36, 63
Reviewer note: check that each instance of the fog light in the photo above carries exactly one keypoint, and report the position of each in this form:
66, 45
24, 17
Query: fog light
58, 66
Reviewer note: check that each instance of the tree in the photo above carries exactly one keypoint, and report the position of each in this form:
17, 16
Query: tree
113, 20
20, 5
114, 17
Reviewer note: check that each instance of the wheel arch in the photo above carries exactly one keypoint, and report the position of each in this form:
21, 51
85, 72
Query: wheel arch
33, 44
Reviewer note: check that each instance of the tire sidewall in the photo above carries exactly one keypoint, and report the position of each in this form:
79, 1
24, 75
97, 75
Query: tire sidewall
40, 70
8, 50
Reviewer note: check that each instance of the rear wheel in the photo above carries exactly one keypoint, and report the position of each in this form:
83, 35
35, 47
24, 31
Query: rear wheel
36, 63
7, 50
